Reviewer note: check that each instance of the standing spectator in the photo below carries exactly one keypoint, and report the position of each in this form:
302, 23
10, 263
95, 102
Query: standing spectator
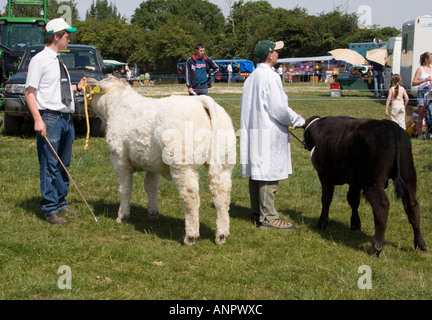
377, 71
280, 71
398, 98
265, 154
50, 100
322, 71
199, 71
422, 79
128, 75
230, 70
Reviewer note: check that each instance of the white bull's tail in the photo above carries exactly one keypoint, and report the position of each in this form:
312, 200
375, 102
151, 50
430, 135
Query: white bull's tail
210, 106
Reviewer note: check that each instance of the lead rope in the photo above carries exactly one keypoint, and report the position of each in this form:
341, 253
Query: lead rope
96, 90
70, 177
86, 113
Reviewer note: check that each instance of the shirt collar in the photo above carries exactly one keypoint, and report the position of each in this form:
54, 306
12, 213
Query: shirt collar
51, 53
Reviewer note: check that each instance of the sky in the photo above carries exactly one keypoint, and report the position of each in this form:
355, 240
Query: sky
384, 13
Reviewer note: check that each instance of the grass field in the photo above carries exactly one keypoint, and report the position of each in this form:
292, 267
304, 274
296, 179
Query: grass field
145, 259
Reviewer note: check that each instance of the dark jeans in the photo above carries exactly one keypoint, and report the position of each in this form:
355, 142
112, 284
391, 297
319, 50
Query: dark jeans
201, 89
54, 181
378, 83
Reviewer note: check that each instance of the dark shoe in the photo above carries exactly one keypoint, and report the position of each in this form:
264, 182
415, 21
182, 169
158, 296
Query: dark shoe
56, 219
277, 224
69, 211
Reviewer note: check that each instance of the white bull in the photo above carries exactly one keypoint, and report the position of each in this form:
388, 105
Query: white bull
172, 137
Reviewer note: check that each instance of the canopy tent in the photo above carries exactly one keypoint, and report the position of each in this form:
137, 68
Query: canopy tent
377, 55
349, 56
305, 59
244, 65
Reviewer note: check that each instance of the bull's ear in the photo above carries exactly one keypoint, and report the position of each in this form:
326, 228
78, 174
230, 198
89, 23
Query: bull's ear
92, 82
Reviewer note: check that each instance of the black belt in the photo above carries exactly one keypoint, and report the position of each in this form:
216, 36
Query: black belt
54, 112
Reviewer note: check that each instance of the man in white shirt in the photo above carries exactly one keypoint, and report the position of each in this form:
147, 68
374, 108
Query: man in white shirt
52, 108
265, 154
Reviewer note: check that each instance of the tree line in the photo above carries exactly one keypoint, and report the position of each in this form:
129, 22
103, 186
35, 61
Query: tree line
162, 33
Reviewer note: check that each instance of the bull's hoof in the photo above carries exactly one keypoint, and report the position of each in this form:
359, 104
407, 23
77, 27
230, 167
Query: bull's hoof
375, 251
221, 239
355, 227
322, 225
121, 220
190, 241
421, 248
153, 215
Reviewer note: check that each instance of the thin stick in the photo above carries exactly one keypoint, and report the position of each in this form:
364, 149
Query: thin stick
70, 177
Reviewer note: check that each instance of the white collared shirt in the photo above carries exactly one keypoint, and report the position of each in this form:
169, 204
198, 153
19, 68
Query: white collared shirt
44, 75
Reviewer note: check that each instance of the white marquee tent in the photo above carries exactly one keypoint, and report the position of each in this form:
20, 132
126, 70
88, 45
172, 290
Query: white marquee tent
305, 59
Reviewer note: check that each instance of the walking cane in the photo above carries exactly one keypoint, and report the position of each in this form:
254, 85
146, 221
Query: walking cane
70, 177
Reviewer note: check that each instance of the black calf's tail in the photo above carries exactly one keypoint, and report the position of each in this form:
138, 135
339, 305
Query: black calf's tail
398, 182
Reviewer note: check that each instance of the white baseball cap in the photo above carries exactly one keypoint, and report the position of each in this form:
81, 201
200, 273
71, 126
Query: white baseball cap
56, 25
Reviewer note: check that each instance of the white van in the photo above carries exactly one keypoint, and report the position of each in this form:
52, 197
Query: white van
403, 51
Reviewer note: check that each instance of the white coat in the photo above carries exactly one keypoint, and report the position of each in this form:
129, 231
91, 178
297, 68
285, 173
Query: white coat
265, 153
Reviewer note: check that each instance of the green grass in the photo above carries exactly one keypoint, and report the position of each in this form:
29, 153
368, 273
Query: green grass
145, 259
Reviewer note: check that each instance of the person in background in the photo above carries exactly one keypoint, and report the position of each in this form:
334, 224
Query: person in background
422, 79
230, 71
411, 125
322, 71
377, 72
265, 154
199, 72
50, 100
398, 98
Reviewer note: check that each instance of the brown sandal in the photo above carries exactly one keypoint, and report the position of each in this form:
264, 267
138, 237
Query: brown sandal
277, 224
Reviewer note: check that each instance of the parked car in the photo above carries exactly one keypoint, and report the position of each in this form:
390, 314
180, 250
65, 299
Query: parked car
361, 69
80, 60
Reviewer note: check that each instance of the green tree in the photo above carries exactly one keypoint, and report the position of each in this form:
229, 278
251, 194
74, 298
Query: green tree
20, 10
114, 38
200, 19
101, 9
246, 26
368, 34
159, 50
164, 32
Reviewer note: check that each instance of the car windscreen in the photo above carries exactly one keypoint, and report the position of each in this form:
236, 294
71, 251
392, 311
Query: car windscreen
74, 59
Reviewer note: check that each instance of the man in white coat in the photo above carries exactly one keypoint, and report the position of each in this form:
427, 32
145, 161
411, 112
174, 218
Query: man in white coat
265, 154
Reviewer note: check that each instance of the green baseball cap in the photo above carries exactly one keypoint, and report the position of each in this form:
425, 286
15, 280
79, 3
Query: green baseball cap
263, 48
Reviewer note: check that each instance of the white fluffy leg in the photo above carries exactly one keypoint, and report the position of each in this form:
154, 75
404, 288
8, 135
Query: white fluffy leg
186, 180
220, 186
151, 186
